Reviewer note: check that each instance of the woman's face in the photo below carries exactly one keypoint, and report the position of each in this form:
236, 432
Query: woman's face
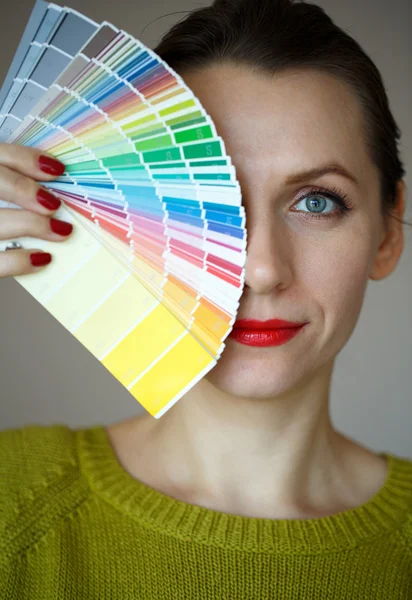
302, 265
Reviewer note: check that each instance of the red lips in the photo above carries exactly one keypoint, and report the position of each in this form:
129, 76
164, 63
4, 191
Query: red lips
265, 325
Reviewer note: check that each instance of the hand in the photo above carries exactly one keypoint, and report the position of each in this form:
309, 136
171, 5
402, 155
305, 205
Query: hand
20, 170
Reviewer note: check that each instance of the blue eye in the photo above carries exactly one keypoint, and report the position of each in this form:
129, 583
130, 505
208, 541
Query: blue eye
317, 200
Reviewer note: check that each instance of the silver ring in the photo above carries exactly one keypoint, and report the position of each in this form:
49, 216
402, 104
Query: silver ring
14, 246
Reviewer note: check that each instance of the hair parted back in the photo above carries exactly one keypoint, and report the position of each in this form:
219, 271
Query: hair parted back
276, 35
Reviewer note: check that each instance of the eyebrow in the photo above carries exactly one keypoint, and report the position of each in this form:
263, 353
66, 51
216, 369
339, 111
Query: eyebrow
319, 171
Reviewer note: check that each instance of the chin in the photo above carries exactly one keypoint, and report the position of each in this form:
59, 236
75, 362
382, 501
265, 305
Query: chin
257, 381
267, 374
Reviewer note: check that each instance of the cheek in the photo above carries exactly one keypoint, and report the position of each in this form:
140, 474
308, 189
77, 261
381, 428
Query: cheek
335, 278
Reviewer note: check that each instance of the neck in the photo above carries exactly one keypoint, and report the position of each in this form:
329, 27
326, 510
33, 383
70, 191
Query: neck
251, 456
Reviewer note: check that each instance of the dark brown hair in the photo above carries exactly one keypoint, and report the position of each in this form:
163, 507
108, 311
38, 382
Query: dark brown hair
275, 35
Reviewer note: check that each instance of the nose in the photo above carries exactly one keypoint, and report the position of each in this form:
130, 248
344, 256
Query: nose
268, 266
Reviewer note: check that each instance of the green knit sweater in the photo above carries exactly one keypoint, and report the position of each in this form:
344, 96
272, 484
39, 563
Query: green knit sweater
74, 524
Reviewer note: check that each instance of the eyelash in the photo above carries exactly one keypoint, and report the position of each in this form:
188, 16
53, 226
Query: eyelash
341, 199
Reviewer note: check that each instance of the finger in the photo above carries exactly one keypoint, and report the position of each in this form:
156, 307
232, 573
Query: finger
21, 262
32, 162
26, 192
16, 223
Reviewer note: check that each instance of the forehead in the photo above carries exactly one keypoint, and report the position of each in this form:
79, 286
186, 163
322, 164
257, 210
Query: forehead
298, 112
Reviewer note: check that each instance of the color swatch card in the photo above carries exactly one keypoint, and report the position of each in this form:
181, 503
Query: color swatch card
150, 279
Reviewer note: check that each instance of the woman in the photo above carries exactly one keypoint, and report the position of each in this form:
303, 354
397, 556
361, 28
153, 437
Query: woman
244, 489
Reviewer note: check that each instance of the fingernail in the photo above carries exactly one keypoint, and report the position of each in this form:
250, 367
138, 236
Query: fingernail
61, 227
39, 259
47, 199
51, 166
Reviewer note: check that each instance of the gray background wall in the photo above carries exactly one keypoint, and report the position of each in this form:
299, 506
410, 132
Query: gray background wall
48, 377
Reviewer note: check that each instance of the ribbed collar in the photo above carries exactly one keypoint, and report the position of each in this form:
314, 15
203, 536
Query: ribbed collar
385, 511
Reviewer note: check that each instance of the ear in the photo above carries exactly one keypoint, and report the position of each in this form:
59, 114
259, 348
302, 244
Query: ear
392, 241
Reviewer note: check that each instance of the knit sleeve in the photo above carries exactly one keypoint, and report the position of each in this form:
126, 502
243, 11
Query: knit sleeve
32, 458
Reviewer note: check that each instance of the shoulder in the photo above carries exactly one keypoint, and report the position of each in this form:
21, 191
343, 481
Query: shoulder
38, 469
402, 495
33, 452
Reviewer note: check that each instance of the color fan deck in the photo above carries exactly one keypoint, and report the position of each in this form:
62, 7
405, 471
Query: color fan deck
150, 279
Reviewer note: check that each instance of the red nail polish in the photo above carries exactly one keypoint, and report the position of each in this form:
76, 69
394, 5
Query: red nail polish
47, 199
39, 259
61, 227
51, 166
